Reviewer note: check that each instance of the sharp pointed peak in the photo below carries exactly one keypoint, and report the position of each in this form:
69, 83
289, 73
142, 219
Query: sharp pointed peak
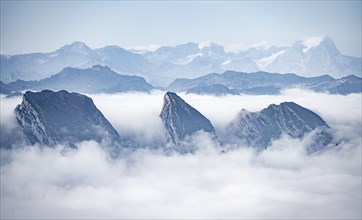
171, 96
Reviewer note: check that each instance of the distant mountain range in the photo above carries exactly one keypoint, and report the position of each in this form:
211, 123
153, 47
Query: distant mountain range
101, 79
97, 79
307, 57
263, 83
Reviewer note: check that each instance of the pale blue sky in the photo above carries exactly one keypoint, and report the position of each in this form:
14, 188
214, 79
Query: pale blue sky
41, 26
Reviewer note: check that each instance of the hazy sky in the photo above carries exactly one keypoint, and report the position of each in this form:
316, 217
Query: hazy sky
47, 25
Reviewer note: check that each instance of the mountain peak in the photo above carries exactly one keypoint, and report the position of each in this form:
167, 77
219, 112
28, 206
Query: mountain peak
171, 97
52, 118
206, 44
180, 120
101, 68
76, 46
260, 128
211, 46
313, 42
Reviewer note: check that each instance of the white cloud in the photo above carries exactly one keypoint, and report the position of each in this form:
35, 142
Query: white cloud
134, 114
280, 182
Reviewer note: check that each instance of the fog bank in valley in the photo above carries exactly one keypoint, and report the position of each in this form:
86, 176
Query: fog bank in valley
280, 182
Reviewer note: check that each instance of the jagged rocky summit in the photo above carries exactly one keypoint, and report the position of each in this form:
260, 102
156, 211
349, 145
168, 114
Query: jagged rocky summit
51, 118
258, 129
180, 120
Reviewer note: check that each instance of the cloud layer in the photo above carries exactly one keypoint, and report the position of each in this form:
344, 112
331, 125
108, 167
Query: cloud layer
280, 182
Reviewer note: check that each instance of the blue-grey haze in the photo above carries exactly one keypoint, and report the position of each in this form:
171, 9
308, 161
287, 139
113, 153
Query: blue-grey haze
42, 26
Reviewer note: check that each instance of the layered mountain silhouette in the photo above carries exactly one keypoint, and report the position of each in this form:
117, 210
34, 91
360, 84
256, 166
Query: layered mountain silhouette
50, 118
258, 129
231, 82
4, 89
37, 66
98, 79
306, 57
313, 57
181, 120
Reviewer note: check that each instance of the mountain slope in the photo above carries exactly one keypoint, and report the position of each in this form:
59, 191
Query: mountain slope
180, 120
344, 86
52, 118
258, 129
4, 89
35, 66
313, 57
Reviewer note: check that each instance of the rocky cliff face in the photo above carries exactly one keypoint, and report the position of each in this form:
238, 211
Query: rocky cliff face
180, 119
52, 118
258, 129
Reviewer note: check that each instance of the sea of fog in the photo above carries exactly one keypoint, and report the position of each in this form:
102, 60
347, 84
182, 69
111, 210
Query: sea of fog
280, 182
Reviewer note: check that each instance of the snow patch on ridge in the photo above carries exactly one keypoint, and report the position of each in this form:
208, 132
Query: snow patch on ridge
311, 42
263, 62
205, 44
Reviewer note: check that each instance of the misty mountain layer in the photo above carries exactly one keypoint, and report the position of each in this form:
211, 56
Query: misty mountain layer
307, 57
259, 83
97, 79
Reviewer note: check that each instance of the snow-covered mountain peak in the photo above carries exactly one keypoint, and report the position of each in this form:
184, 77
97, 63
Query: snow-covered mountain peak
76, 47
312, 42
144, 49
262, 45
211, 46
205, 44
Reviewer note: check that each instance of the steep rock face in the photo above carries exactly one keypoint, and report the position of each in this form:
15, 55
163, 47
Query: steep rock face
180, 119
51, 118
258, 129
